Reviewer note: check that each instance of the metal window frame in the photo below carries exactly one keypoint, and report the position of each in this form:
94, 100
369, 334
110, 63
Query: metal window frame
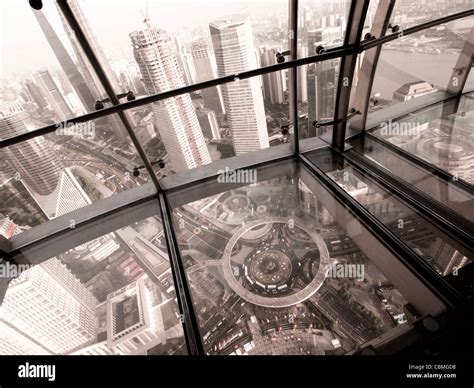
156, 193
293, 72
361, 98
463, 66
106, 84
450, 105
337, 52
447, 293
355, 26
452, 223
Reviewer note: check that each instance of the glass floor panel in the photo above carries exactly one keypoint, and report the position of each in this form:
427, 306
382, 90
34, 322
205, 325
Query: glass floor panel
109, 295
277, 266
440, 251
442, 135
445, 192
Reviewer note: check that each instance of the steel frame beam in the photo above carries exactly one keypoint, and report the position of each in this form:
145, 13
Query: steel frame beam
350, 49
361, 98
451, 223
293, 72
104, 80
415, 29
181, 284
463, 66
406, 255
337, 52
355, 26
332, 54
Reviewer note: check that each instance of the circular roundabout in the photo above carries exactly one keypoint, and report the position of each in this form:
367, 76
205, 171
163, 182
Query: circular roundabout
270, 268
236, 203
276, 270
445, 149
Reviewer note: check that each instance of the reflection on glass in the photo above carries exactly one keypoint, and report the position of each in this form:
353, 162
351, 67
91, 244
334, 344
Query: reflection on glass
442, 135
442, 253
445, 192
49, 176
96, 299
273, 272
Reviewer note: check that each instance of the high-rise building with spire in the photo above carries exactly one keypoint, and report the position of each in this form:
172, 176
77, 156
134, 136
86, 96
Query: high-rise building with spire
73, 74
88, 72
53, 95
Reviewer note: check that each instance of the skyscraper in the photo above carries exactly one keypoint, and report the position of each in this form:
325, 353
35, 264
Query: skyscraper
322, 80
92, 81
274, 84
302, 76
53, 95
35, 94
207, 120
205, 71
47, 310
53, 187
70, 69
37, 165
86, 68
175, 117
185, 62
234, 50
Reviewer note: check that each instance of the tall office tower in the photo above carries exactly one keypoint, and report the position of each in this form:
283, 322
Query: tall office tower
24, 94
175, 117
323, 36
47, 310
302, 76
205, 71
16, 343
208, 121
69, 67
234, 50
53, 95
86, 68
322, 82
52, 186
274, 84
311, 82
92, 81
37, 165
304, 19
185, 62
35, 94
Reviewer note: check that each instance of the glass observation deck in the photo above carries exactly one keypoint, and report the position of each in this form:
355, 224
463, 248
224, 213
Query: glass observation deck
296, 181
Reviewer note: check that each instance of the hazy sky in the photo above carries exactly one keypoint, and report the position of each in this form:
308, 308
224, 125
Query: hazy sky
24, 48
